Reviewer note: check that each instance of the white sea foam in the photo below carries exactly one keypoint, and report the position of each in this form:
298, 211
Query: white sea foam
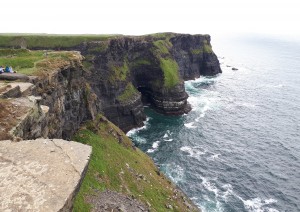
174, 172
259, 205
136, 130
214, 157
190, 125
155, 144
210, 186
171, 139
193, 152
154, 147
140, 140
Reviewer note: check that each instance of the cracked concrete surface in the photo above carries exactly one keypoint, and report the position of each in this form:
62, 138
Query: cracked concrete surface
41, 175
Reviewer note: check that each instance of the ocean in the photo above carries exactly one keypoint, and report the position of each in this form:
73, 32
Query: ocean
239, 147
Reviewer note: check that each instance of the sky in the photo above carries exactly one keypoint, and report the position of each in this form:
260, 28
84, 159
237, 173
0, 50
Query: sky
133, 17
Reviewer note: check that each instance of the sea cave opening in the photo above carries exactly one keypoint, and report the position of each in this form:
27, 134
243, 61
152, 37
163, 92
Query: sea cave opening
146, 95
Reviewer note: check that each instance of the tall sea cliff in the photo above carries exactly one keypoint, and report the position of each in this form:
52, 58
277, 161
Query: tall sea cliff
109, 75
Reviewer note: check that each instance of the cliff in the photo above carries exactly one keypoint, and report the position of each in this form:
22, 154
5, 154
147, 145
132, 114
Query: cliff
66, 91
125, 71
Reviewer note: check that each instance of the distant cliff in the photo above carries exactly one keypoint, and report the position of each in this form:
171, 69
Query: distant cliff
125, 71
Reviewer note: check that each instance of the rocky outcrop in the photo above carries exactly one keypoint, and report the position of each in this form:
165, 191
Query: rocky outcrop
195, 56
69, 98
13, 76
41, 175
23, 118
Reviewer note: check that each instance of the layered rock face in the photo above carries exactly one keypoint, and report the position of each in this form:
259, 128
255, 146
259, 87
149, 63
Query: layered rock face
119, 75
195, 56
125, 70
69, 98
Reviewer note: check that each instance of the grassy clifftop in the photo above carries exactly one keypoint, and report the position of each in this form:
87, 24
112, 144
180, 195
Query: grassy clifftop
36, 62
47, 40
116, 165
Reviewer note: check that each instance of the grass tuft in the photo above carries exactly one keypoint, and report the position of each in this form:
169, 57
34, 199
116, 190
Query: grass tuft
118, 73
128, 93
163, 46
171, 72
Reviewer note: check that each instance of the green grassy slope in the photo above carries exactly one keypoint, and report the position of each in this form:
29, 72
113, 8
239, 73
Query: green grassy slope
116, 165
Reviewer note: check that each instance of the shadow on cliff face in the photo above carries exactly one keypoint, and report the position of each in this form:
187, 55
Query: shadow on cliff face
146, 96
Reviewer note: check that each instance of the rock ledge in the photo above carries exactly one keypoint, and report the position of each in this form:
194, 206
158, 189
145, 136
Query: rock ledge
42, 174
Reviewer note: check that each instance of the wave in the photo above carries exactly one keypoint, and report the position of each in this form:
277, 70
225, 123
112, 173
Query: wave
174, 171
259, 205
222, 195
214, 157
193, 152
134, 131
204, 101
154, 147
171, 139
210, 186
190, 125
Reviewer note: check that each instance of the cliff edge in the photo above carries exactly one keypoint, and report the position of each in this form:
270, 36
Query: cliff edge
81, 95
125, 72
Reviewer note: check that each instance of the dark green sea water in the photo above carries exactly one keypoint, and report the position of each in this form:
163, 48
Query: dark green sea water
239, 148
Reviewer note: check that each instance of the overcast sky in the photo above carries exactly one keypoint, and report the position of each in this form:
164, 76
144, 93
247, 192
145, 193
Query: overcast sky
141, 17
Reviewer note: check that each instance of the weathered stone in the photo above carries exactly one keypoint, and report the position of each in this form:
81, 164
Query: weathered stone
23, 118
41, 175
14, 76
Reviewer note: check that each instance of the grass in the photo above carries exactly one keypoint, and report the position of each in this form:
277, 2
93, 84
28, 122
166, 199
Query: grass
164, 35
33, 62
118, 72
140, 62
88, 66
197, 51
128, 93
48, 40
170, 69
101, 47
116, 165
163, 46
207, 47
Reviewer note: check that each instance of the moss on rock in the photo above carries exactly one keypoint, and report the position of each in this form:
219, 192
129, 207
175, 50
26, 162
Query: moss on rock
128, 93
118, 72
171, 72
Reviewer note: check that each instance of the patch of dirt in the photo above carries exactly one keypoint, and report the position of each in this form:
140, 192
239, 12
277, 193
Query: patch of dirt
112, 201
